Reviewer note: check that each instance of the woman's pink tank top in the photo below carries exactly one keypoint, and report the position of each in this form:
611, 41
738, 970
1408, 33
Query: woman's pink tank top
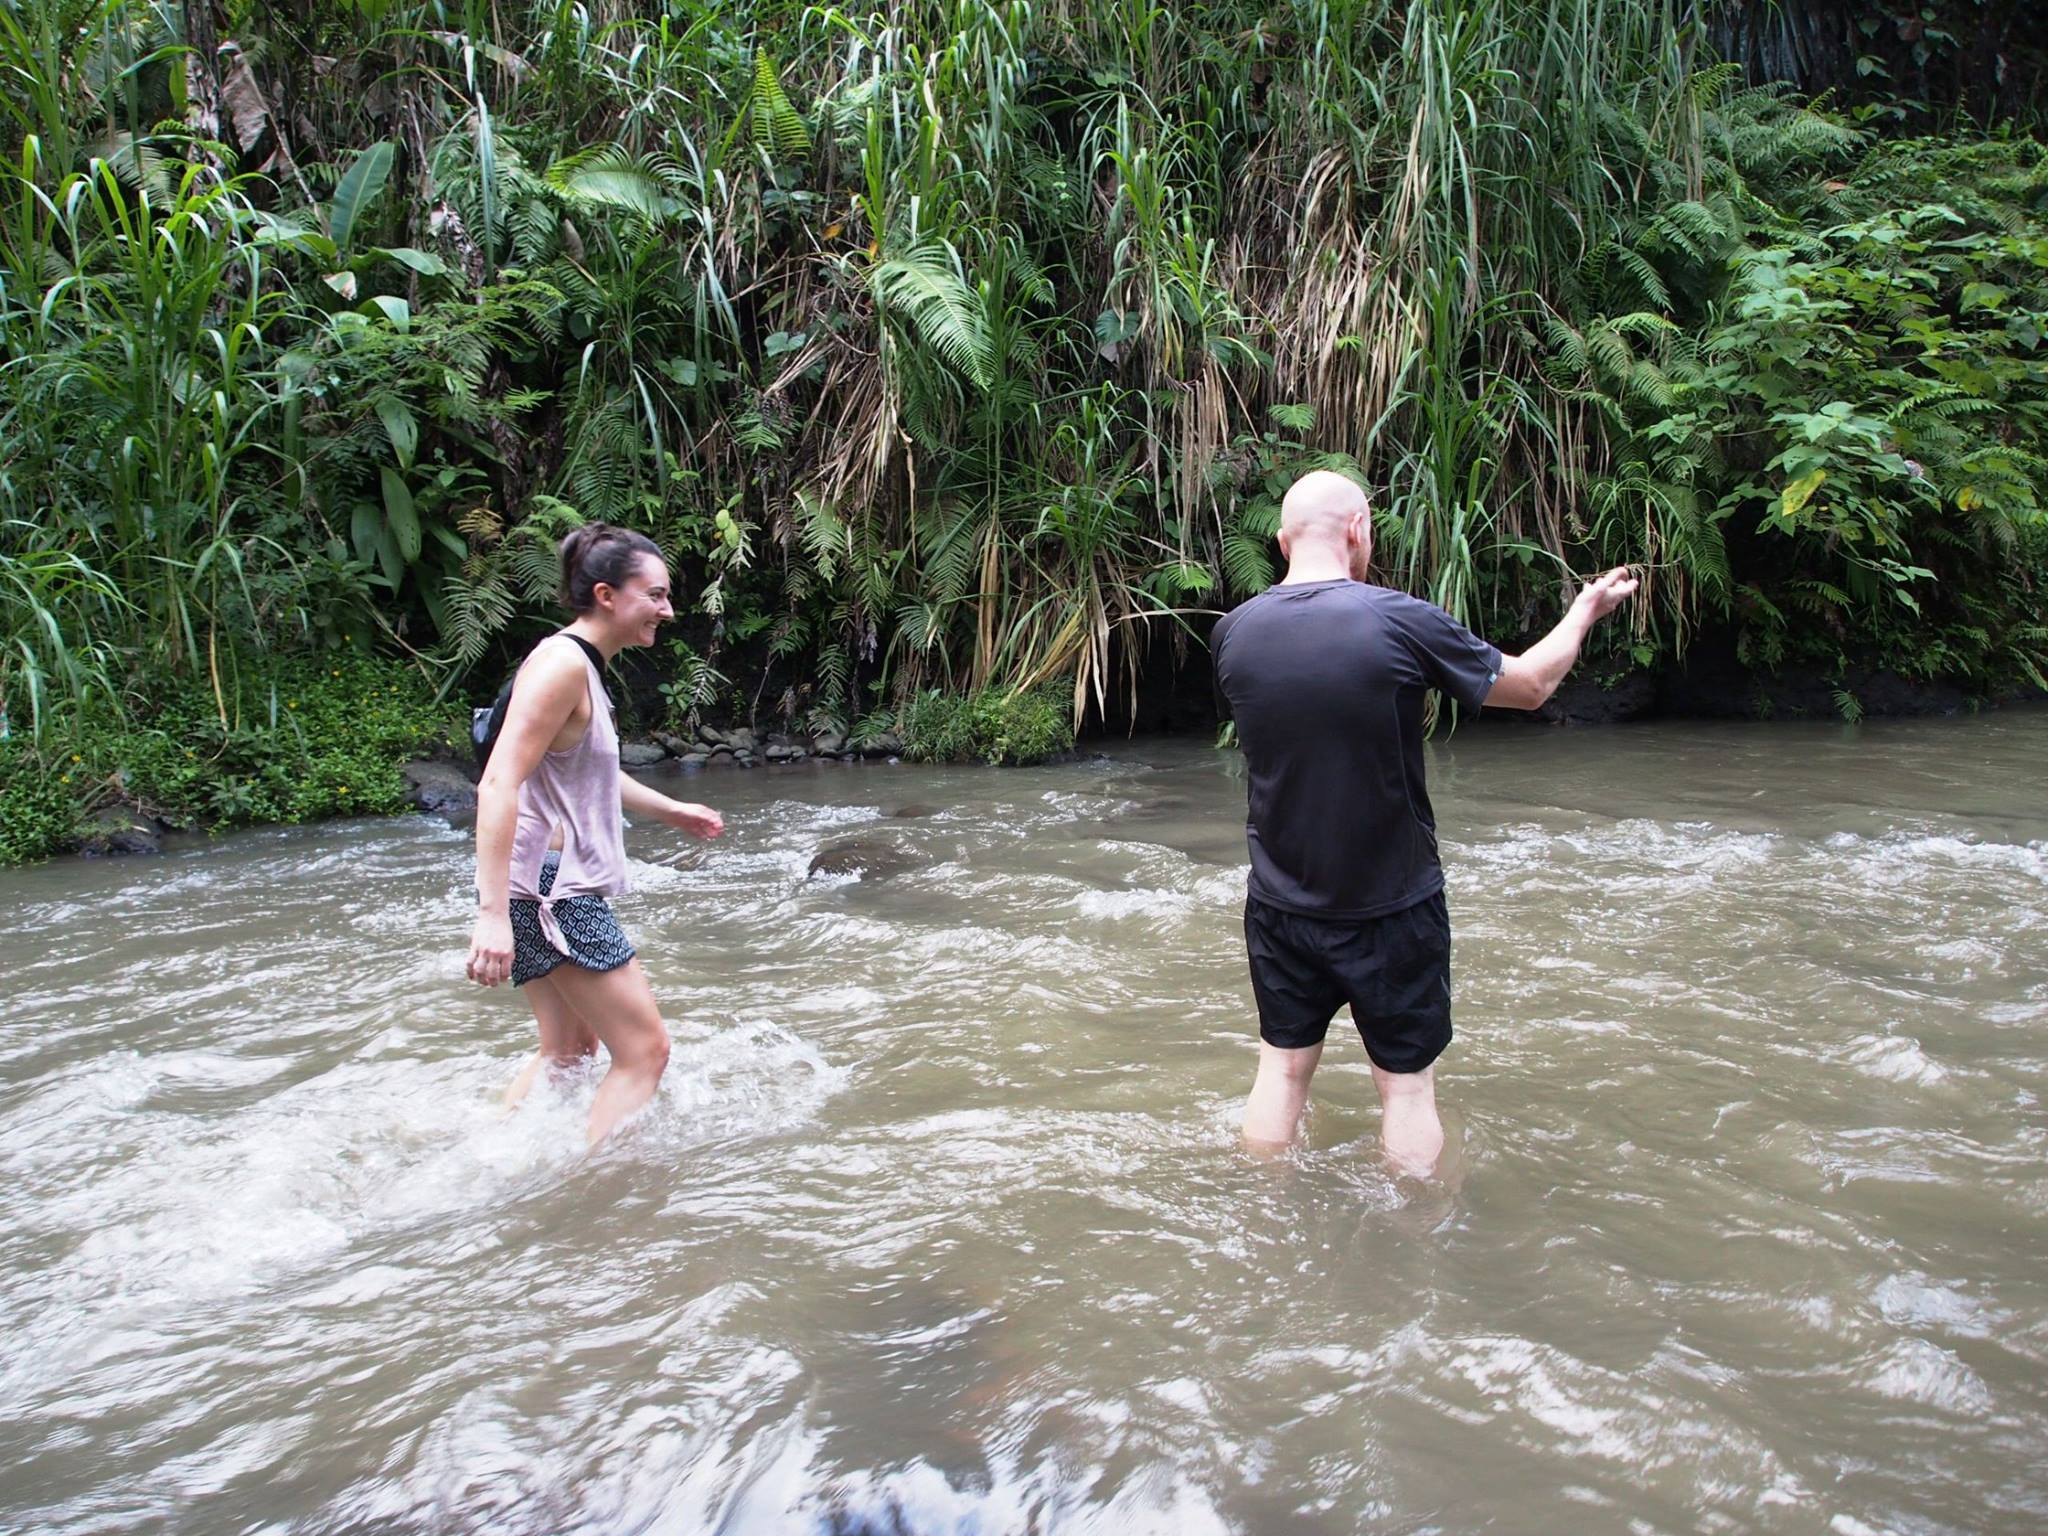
576, 791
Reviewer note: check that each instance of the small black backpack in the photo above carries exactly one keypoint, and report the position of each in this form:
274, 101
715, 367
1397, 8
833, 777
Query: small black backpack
486, 724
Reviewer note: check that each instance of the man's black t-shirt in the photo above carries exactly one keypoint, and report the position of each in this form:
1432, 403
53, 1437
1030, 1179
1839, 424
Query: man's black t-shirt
1325, 681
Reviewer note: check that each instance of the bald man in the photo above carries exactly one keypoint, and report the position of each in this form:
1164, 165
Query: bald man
1325, 676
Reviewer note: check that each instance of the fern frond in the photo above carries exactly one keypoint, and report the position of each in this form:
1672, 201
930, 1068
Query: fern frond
612, 176
778, 128
926, 283
1247, 563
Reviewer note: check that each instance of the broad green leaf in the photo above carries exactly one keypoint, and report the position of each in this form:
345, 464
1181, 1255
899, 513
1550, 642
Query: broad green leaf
365, 528
426, 263
633, 190
400, 516
358, 189
1113, 328
400, 426
396, 310
926, 284
487, 185
1800, 492
273, 229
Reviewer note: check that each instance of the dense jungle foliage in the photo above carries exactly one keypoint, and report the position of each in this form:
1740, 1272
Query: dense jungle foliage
967, 346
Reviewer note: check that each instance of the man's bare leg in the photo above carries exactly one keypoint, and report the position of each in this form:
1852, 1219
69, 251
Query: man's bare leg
1279, 1094
1409, 1128
565, 1040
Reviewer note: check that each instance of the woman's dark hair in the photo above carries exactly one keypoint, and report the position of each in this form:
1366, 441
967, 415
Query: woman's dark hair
598, 552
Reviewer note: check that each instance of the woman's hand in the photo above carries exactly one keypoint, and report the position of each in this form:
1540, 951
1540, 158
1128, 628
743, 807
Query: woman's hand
490, 949
697, 820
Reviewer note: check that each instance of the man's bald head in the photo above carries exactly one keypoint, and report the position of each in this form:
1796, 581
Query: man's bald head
1325, 517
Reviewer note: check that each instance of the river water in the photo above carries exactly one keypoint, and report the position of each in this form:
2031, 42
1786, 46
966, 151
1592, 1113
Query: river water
940, 1223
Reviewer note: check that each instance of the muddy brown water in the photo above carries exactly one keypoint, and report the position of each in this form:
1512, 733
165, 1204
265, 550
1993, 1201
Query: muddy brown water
940, 1224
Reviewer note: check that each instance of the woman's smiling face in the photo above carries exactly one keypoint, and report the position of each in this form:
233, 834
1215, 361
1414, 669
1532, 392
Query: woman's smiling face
641, 605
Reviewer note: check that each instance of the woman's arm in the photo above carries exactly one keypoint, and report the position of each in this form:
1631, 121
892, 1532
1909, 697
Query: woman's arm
639, 800
546, 697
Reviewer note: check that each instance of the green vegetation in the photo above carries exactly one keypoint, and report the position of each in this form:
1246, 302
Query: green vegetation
1830, 431
988, 726
960, 346
305, 738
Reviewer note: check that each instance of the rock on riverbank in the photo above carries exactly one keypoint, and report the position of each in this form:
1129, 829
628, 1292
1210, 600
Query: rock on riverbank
440, 788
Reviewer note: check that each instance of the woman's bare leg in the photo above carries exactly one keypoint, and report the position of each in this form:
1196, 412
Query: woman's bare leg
619, 1008
565, 1040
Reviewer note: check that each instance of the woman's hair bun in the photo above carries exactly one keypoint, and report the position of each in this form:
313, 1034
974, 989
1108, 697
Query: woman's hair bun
599, 553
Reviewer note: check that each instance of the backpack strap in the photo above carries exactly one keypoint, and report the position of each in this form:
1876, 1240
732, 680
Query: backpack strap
485, 725
596, 660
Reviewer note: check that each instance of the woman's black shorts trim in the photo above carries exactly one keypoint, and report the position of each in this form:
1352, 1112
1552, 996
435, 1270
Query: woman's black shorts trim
595, 939
1394, 971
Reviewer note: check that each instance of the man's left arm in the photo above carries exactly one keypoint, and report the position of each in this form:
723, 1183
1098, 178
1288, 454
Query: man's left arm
1527, 681
1448, 656
1225, 716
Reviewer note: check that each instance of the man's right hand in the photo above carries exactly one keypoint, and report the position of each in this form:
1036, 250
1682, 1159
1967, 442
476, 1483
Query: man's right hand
490, 949
1605, 593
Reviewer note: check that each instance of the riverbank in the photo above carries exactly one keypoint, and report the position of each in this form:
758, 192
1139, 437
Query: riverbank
1176, 696
327, 738
444, 785
319, 738
1717, 692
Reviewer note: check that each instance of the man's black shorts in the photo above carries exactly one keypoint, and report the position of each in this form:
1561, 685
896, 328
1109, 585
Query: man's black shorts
1394, 971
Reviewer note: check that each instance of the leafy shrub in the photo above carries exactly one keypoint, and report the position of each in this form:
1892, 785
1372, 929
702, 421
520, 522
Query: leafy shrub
990, 726
304, 738
1830, 422
39, 811
694, 684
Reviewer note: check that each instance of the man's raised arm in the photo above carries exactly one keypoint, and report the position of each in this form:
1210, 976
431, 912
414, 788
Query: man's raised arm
1527, 681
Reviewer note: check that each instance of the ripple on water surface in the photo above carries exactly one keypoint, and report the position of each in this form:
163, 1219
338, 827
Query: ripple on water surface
939, 1223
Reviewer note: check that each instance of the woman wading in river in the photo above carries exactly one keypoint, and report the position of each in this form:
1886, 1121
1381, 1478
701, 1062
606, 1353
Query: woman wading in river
549, 848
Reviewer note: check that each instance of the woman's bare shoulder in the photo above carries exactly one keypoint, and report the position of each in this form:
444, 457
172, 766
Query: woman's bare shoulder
552, 674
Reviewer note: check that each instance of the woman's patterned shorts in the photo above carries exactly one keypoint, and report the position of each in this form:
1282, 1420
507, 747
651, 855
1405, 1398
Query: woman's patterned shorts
595, 939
